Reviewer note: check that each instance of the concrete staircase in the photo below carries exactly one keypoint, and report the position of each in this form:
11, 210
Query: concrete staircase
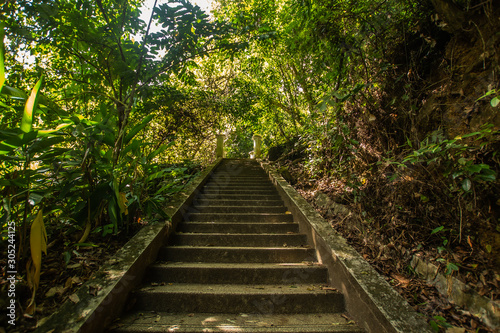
236, 264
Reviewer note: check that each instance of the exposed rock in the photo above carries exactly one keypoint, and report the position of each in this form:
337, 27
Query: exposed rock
332, 208
459, 293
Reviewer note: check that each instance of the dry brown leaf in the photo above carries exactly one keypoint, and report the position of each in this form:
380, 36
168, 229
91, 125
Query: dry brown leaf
74, 298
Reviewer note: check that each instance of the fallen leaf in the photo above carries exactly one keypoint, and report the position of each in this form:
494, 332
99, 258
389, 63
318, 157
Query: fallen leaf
59, 290
402, 281
74, 298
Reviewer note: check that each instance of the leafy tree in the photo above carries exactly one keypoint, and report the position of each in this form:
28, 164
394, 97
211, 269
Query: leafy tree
70, 151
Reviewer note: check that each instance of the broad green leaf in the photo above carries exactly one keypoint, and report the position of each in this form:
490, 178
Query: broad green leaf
31, 104
137, 128
159, 151
14, 93
131, 147
44, 143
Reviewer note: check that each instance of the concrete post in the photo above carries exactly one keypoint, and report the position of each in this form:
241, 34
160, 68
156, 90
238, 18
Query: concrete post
257, 140
219, 152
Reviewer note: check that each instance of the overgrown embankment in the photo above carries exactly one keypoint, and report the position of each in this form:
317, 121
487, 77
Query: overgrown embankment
412, 166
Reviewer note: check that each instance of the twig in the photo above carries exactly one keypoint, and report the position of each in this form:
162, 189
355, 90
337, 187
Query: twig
460, 233
484, 44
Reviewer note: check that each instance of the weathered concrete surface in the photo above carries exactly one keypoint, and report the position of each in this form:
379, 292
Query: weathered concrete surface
370, 300
231, 298
243, 322
458, 292
102, 298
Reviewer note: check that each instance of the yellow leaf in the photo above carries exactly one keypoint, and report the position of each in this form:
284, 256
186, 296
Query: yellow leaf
122, 202
38, 244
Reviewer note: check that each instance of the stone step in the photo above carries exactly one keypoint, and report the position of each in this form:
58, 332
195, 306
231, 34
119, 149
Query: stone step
240, 186
236, 254
239, 203
232, 196
237, 273
210, 209
239, 180
241, 191
236, 298
156, 322
244, 217
241, 173
238, 228
241, 240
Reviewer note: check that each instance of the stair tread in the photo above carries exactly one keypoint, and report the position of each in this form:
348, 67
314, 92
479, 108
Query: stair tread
217, 322
283, 266
239, 289
236, 248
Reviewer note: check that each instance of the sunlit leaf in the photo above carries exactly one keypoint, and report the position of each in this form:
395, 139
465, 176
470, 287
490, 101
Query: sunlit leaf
2, 66
31, 104
38, 244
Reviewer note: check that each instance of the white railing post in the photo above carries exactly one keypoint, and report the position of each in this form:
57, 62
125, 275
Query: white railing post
219, 151
257, 140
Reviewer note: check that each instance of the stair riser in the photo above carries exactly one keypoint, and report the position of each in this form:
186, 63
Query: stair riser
239, 228
239, 240
220, 196
236, 210
240, 174
256, 323
260, 181
235, 255
240, 203
280, 275
263, 184
197, 217
240, 191
223, 303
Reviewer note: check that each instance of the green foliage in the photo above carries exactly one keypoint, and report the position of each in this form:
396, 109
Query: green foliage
438, 323
456, 157
91, 160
